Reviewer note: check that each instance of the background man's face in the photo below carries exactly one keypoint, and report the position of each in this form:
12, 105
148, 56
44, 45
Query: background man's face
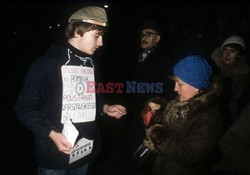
149, 38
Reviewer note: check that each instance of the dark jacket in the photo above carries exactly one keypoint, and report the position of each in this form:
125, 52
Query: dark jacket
156, 67
235, 144
40, 102
185, 134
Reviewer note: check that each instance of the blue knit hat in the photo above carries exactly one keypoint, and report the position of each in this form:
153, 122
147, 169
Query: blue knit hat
194, 71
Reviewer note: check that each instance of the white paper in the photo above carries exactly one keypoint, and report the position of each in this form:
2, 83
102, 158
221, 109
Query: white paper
78, 103
70, 132
82, 148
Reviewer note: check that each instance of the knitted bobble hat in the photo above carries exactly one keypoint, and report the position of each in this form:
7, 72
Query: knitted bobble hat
194, 71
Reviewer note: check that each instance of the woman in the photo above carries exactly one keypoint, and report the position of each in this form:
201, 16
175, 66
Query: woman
231, 64
190, 126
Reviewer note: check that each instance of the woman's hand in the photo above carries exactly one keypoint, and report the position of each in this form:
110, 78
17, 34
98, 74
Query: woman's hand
155, 136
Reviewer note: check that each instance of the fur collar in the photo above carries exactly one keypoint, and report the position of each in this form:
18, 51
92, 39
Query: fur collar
176, 112
240, 67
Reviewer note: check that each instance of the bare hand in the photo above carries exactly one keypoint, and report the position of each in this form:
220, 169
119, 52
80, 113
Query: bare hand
154, 106
116, 111
60, 141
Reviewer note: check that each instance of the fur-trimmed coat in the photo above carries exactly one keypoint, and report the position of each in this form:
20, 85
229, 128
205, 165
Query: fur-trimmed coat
236, 81
238, 73
185, 134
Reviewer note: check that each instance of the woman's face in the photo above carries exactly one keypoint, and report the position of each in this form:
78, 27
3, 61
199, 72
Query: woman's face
184, 90
230, 55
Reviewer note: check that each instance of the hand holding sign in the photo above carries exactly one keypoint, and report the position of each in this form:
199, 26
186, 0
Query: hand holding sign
60, 141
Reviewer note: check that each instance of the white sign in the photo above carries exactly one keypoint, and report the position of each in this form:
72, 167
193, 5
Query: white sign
77, 104
82, 148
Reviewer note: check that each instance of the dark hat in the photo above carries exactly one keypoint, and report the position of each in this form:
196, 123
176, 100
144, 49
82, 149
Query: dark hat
194, 71
150, 24
91, 14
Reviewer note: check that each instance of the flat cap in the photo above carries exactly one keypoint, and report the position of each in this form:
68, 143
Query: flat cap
91, 14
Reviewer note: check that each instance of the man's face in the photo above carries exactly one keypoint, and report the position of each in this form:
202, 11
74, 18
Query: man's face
149, 38
89, 42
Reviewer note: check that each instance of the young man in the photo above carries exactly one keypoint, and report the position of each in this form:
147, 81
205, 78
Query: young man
57, 103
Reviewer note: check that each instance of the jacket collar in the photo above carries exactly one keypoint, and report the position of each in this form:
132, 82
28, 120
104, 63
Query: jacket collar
75, 50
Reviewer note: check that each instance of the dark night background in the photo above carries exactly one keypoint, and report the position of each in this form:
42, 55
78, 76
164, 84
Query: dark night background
28, 29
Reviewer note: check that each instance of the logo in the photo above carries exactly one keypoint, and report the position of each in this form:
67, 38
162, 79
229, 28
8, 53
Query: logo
130, 87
